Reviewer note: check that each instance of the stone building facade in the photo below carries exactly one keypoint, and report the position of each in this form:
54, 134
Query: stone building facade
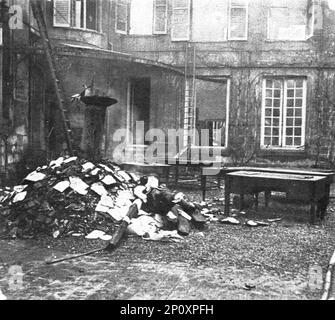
257, 74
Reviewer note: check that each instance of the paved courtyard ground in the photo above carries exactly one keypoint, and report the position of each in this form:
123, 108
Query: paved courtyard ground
219, 263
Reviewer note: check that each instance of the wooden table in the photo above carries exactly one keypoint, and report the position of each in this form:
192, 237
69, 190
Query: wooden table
163, 170
308, 188
220, 173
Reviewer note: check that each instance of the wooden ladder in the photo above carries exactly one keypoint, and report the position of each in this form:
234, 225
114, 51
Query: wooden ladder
62, 103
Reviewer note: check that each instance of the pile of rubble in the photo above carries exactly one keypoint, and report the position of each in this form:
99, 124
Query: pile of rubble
75, 197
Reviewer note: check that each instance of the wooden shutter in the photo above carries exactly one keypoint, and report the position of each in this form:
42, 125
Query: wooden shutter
181, 20
238, 20
62, 13
160, 16
121, 19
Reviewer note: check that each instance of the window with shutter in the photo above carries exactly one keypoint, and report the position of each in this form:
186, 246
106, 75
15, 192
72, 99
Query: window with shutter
238, 20
62, 13
121, 23
160, 16
181, 20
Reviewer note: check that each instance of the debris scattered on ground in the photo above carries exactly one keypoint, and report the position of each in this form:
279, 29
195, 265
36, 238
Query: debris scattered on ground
230, 220
75, 197
251, 223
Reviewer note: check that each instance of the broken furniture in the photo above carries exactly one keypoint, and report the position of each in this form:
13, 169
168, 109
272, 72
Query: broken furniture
162, 170
221, 173
312, 189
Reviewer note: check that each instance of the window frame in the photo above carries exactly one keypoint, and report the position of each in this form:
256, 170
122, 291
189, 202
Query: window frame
174, 9
54, 12
126, 5
72, 17
155, 16
285, 6
283, 115
232, 6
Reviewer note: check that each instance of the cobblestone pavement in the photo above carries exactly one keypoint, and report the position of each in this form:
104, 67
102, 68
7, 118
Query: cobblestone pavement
99, 277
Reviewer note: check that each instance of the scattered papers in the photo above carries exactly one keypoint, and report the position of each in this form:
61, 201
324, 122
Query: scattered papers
163, 235
20, 197
62, 186
35, 176
70, 159
230, 220
106, 168
105, 204
56, 163
142, 225
97, 234
78, 185
124, 175
118, 213
95, 171
88, 166
20, 188
251, 223
99, 189
108, 180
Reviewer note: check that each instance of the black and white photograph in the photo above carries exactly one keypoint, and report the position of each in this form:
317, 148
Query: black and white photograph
172, 151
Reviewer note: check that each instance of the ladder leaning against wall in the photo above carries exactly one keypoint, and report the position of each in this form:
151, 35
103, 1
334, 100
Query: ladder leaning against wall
190, 95
36, 6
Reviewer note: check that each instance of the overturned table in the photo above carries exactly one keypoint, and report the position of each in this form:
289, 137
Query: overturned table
313, 189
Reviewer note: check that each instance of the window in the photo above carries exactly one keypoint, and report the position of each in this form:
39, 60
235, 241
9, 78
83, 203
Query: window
146, 17
181, 20
85, 14
287, 20
209, 20
121, 19
141, 17
283, 113
238, 20
62, 13
314, 17
160, 16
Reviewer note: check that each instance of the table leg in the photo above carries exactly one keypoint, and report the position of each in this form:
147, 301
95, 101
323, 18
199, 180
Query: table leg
241, 201
256, 201
203, 185
325, 201
313, 205
167, 176
227, 196
176, 177
267, 196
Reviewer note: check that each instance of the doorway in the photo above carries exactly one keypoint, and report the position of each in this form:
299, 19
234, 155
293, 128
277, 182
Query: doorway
139, 109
